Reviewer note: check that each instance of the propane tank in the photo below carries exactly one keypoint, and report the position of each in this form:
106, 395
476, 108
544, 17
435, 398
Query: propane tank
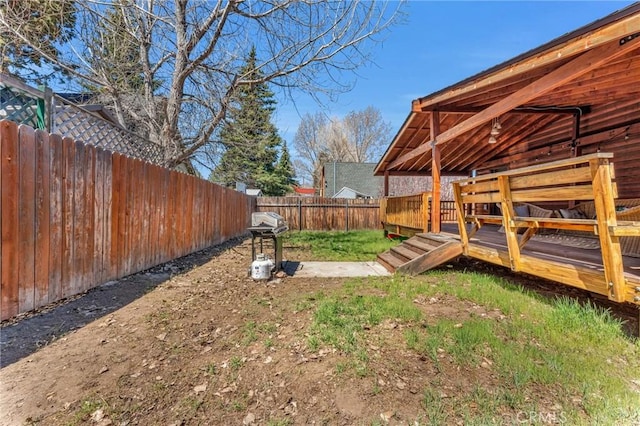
261, 267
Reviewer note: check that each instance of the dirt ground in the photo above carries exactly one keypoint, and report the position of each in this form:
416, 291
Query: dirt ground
196, 341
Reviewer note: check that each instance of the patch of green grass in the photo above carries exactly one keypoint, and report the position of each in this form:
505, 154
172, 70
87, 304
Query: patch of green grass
339, 322
249, 333
434, 406
470, 340
238, 405
235, 363
87, 407
575, 354
341, 246
313, 343
211, 369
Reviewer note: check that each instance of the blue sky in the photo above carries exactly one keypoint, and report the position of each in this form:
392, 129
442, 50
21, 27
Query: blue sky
442, 43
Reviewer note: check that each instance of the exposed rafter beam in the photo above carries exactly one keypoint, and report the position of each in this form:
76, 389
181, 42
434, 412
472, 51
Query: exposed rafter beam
584, 109
573, 69
378, 170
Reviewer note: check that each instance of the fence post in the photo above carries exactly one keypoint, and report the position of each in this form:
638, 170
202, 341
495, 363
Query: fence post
299, 214
346, 214
48, 109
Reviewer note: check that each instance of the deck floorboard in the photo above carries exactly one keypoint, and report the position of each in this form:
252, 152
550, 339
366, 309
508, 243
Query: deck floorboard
568, 252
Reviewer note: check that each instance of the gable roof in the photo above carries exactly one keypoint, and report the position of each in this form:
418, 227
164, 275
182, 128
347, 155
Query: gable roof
358, 176
574, 86
254, 192
346, 192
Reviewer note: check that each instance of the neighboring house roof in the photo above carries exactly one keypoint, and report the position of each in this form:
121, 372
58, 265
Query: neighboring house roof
347, 192
357, 176
304, 191
254, 192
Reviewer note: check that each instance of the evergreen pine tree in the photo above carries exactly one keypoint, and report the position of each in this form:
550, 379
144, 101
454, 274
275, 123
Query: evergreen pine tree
251, 141
285, 171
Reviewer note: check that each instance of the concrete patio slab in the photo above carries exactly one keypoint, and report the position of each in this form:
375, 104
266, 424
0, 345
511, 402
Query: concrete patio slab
334, 269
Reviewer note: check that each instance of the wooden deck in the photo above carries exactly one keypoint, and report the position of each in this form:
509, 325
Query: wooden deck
489, 240
537, 242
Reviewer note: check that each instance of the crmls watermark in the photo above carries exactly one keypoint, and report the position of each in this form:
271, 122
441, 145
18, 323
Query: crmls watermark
540, 418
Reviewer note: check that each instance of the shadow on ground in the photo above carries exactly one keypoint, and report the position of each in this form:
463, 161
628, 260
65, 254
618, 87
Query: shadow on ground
23, 335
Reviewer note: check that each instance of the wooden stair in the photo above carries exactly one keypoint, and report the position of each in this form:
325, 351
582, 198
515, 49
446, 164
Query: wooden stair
420, 253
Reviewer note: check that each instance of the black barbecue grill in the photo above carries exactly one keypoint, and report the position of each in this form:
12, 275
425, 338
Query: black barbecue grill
271, 226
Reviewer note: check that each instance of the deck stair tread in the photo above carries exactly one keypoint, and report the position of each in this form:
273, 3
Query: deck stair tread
420, 253
389, 261
419, 244
405, 252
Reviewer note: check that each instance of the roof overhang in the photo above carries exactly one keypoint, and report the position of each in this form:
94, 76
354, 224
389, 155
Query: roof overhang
576, 85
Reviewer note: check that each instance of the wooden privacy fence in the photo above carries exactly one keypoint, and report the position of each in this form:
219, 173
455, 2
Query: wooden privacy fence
324, 214
74, 216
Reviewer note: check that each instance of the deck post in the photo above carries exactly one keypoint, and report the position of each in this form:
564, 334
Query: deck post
462, 225
425, 212
603, 197
435, 173
508, 214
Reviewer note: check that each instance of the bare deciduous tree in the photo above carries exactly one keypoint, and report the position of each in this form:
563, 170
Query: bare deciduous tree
367, 134
359, 137
310, 145
189, 55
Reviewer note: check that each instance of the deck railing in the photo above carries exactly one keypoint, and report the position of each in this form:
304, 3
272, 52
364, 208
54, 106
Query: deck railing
410, 214
405, 215
589, 178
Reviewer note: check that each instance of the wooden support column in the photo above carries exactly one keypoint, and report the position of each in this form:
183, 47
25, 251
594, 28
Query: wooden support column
603, 197
435, 173
386, 183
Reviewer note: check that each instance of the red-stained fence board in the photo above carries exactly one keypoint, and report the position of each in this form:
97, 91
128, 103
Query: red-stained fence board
56, 247
9, 180
154, 212
117, 214
138, 219
98, 217
165, 217
107, 179
132, 184
68, 202
27, 219
79, 220
88, 275
43, 220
